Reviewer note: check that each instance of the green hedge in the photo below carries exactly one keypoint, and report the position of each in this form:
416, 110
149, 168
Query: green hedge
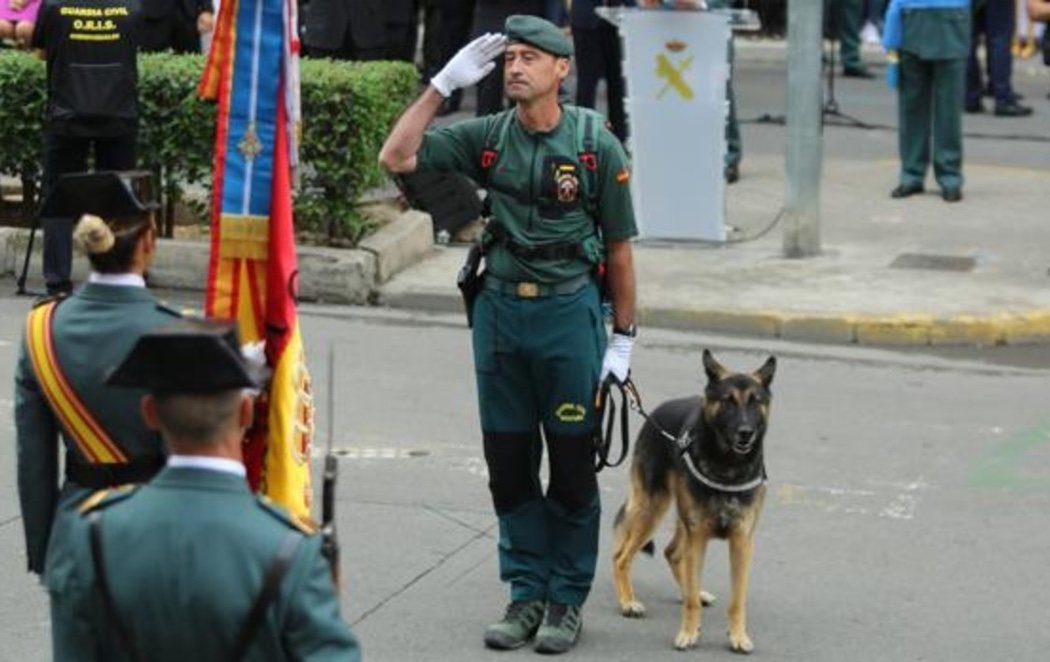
348, 108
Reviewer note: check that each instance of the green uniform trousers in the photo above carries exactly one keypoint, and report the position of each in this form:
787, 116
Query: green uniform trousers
537, 362
930, 102
849, 17
734, 146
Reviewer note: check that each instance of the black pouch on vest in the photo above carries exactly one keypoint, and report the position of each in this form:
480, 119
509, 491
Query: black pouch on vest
469, 281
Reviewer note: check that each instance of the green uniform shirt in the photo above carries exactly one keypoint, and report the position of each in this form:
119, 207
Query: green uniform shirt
538, 190
937, 34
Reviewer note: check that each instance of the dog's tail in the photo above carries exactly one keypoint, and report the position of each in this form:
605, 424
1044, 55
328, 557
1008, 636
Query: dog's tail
649, 548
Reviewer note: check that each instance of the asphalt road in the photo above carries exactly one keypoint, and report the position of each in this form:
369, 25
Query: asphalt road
906, 518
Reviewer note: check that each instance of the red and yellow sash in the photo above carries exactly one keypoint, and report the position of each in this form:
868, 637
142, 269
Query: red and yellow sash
78, 422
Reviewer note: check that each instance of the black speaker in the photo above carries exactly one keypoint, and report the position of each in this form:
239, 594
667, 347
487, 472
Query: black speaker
451, 199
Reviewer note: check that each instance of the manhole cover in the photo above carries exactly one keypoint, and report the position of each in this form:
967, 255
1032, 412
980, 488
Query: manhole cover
934, 262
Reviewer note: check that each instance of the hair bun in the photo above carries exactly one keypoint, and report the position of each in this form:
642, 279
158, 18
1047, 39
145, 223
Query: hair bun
92, 235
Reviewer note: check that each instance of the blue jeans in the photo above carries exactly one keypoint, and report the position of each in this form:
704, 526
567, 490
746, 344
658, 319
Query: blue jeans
996, 21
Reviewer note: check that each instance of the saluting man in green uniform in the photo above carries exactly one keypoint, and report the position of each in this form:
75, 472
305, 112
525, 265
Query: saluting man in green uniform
68, 346
560, 207
193, 566
932, 40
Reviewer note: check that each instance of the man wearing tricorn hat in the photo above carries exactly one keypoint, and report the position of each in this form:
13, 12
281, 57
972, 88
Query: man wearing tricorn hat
193, 565
561, 218
60, 400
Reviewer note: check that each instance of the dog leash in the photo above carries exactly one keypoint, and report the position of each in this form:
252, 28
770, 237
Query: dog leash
605, 420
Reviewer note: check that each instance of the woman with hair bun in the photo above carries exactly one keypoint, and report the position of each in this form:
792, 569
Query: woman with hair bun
69, 347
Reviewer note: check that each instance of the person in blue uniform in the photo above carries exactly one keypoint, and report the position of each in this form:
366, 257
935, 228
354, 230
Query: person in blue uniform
932, 41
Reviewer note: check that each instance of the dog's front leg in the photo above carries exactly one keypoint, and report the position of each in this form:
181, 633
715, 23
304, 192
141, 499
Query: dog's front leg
689, 570
741, 545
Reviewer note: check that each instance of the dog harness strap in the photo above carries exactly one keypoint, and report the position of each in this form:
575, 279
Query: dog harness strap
721, 487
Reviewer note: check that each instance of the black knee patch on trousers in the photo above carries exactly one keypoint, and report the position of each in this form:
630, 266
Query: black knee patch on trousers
573, 481
512, 462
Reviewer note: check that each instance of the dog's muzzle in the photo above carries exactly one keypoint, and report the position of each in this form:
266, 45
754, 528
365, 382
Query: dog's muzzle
744, 440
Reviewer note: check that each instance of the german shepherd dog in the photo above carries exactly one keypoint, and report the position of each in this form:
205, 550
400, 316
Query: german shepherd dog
717, 483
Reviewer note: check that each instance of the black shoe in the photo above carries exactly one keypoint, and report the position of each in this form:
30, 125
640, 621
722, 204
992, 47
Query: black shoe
905, 190
732, 174
857, 72
61, 288
1012, 109
1017, 96
974, 108
951, 195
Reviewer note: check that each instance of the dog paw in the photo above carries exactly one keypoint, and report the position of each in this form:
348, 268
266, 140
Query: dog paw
741, 643
686, 640
707, 599
632, 609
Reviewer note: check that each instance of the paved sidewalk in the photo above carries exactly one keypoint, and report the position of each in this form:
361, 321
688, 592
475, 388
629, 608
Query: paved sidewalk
852, 292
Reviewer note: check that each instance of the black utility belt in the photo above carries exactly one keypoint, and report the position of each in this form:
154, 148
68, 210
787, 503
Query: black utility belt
533, 290
100, 476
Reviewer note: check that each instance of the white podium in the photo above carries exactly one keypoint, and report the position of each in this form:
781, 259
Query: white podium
676, 65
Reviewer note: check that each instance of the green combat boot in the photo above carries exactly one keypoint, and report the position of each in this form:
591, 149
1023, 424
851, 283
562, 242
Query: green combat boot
560, 629
518, 625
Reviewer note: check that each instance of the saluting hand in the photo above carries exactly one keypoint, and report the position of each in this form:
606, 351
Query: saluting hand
472, 63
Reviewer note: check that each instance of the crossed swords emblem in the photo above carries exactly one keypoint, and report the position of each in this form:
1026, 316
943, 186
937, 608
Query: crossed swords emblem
674, 76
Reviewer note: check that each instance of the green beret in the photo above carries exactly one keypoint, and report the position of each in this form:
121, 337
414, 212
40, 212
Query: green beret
538, 32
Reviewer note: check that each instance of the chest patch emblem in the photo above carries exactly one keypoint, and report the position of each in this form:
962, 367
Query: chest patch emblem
566, 182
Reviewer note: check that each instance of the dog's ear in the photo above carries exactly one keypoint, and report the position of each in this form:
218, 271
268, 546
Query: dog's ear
715, 371
765, 374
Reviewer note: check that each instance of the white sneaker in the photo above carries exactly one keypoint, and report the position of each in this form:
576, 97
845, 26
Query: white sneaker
869, 34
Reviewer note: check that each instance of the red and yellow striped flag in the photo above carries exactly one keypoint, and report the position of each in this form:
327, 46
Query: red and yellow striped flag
252, 72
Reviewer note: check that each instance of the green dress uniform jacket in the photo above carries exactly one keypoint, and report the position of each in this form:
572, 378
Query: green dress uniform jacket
185, 558
92, 331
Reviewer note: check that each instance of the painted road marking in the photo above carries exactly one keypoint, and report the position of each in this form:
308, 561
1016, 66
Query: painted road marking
357, 453
1014, 465
893, 500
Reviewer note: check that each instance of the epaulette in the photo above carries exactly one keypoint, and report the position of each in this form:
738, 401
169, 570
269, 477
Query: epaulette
105, 498
281, 513
176, 312
50, 298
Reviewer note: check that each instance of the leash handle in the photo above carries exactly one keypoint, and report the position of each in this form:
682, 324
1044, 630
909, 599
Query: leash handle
605, 422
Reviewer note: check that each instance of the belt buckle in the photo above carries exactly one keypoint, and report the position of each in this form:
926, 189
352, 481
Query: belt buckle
528, 290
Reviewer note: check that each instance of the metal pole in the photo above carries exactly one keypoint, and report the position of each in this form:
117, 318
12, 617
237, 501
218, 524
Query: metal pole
805, 142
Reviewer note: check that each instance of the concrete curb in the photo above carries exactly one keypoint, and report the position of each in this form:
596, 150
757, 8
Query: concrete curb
876, 330
845, 329
329, 275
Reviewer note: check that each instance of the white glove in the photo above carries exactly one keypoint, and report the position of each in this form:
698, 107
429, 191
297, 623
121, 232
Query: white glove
472, 63
617, 361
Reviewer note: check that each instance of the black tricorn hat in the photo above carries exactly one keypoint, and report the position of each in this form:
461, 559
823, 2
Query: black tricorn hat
108, 194
195, 356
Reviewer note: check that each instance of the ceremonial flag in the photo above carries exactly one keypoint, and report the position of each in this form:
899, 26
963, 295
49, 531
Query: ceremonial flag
252, 73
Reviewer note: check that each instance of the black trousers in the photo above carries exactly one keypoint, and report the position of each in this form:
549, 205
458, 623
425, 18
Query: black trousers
175, 33
454, 21
65, 154
598, 56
